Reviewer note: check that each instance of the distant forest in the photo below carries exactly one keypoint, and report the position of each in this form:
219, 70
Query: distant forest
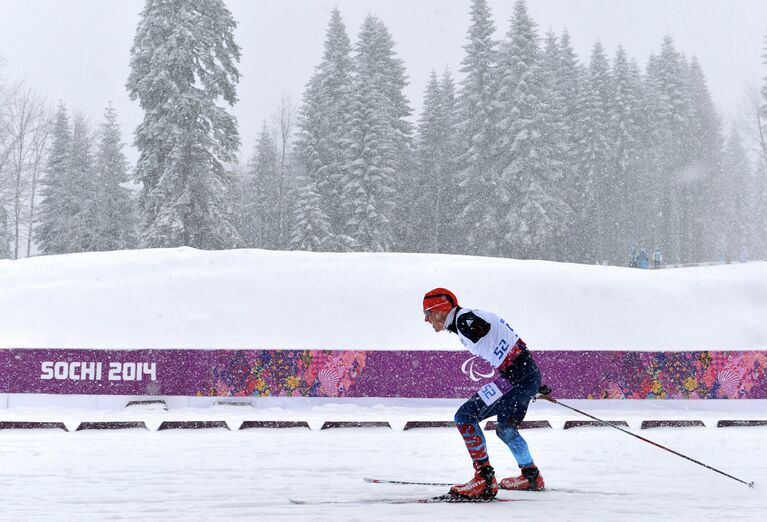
528, 151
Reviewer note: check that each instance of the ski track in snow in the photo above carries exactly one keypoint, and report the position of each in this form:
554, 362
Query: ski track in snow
250, 474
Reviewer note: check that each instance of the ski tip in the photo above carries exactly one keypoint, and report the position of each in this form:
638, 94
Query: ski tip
371, 480
294, 501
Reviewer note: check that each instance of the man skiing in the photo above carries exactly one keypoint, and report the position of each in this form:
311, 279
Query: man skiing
488, 336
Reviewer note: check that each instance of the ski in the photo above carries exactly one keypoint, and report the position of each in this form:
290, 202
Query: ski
441, 499
448, 484
406, 482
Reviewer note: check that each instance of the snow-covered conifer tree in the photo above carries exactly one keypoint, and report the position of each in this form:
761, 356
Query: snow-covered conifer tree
377, 140
760, 217
83, 186
559, 138
700, 184
477, 132
311, 226
624, 149
183, 62
594, 170
322, 119
730, 224
260, 192
568, 82
668, 75
113, 208
57, 208
435, 191
650, 181
65, 223
529, 193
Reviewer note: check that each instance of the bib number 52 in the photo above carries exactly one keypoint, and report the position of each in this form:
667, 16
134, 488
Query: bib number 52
501, 349
489, 393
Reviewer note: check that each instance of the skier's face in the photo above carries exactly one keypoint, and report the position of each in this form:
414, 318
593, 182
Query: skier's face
435, 319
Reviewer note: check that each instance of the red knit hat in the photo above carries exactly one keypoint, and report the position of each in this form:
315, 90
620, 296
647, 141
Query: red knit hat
439, 300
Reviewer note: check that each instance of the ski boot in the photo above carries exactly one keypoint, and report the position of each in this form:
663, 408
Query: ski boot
529, 480
483, 485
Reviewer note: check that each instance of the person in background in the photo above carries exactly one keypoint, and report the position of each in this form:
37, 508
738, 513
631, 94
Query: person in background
657, 258
644, 261
488, 336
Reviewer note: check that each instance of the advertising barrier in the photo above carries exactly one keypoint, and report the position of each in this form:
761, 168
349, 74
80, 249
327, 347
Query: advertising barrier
371, 373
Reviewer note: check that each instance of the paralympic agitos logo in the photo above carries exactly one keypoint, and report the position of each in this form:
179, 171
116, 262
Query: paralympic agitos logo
468, 368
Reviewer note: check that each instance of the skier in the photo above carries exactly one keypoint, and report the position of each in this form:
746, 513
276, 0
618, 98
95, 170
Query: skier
657, 258
488, 336
644, 261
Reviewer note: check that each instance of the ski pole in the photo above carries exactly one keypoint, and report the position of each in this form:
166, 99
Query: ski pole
544, 395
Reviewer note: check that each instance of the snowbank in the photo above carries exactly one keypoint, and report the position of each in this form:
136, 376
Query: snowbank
186, 298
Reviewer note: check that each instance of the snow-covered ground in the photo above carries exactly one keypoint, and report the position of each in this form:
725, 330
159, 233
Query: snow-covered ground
250, 474
254, 299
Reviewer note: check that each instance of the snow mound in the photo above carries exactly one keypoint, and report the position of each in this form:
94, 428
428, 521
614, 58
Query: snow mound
187, 298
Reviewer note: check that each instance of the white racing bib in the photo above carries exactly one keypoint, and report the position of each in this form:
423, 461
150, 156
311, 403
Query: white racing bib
495, 344
493, 391
489, 393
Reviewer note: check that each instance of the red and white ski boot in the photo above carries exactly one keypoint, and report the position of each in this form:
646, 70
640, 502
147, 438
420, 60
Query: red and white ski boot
529, 480
483, 485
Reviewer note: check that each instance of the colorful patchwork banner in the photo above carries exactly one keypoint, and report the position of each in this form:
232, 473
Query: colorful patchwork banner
407, 374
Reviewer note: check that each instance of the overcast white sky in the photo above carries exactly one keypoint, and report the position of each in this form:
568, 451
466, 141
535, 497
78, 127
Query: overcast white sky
78, 51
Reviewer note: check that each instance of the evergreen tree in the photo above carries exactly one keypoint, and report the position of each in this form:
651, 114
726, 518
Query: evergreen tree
553, 99
568, 88
436, 190
322, 122
623, 134
764, 95
377, 140
760, 217
183, 60
450, 194
260, 227
428, 157
83, 189
112, 210
650, 180
58, 206
569, 78
701, 185
477, 131
311, 228
68, 189
594, 174
533, 209
668, 76
731, 224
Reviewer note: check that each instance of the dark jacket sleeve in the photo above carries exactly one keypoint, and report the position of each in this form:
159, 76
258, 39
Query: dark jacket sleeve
472, 326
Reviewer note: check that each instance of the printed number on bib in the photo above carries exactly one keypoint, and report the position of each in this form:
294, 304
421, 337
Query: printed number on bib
500, 350
489, 393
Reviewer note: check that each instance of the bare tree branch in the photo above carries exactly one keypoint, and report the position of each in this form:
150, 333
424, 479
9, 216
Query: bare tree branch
25, 117
752, 123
